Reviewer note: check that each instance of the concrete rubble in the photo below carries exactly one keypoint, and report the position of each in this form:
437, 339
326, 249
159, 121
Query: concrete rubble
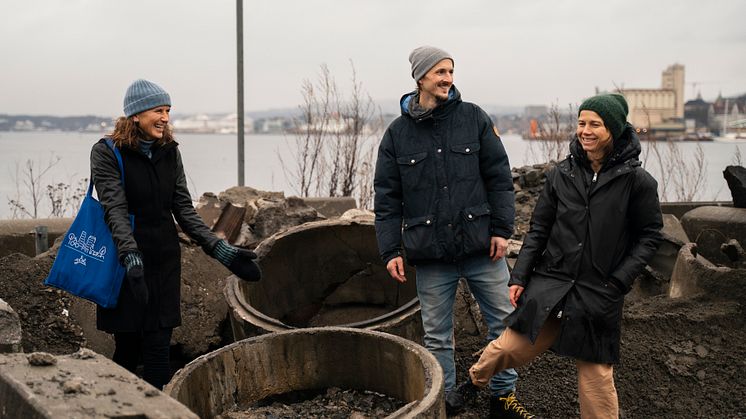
245, 216
10, 329
710, 227
80, 385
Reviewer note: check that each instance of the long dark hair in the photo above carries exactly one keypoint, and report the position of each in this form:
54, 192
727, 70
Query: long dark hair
127, 132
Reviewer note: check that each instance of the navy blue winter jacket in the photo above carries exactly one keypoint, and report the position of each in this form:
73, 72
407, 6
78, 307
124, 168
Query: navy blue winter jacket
443, 185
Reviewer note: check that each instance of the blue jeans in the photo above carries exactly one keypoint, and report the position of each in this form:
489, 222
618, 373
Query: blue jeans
436, 289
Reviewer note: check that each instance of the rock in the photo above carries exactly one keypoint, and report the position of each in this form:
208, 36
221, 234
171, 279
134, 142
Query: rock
74, 385
736, 178
532, 178
701, 351
734, 251
275, 215
331, 206
84, 353
209, 208
358, 214
10, 329
243, 195
41, 359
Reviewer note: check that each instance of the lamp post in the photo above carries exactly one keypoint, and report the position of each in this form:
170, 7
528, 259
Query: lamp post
239, 86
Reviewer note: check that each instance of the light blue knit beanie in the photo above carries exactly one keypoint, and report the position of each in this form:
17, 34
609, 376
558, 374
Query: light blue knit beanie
143, 95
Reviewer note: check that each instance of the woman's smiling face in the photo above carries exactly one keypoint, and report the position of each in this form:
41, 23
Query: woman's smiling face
592, 133
153, 122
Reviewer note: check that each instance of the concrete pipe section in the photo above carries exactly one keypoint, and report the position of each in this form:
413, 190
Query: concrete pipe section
324, 273
239, 375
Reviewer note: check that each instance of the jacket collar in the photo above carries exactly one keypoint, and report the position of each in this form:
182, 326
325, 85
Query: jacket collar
410, 107
158, 151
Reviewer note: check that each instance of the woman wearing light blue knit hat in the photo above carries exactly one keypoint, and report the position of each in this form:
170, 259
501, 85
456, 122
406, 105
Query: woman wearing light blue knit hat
153, 194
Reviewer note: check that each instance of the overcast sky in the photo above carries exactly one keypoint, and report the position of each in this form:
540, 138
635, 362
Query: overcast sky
77, 57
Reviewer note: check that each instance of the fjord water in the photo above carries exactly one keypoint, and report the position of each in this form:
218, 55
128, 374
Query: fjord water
210, 161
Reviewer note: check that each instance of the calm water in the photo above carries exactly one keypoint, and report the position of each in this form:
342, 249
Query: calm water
210, 161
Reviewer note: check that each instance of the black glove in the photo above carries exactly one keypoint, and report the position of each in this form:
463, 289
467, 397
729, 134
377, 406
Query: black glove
237, 260
136, 277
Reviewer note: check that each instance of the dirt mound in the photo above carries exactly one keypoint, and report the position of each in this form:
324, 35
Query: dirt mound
43, 311
680, 358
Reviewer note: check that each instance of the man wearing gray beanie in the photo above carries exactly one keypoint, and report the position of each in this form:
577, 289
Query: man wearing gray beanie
444, 201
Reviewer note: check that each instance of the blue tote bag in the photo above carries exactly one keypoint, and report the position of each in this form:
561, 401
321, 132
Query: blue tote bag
86, 264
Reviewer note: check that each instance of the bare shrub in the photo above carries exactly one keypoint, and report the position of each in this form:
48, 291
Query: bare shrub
29, 190
66, 199
28, 201
333, 137
679, 179
691, 175
553, 136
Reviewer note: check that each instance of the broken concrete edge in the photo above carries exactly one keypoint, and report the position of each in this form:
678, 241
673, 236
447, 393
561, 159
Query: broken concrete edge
694, 275
331, 207
241, 311
430, 405
712, 226
266, 244
83, 384
11, 334
678, 209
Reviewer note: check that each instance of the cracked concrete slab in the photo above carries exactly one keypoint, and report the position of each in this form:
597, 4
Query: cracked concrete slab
80, 385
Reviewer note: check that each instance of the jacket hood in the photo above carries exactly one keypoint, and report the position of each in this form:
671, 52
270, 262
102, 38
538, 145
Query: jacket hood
410, 107
627, 147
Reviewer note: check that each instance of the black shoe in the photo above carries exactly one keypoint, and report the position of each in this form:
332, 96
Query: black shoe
508, 407
458, 398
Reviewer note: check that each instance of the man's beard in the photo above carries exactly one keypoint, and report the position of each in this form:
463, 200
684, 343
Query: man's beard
442, 99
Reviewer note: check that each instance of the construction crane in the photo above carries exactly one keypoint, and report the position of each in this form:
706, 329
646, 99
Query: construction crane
694, 85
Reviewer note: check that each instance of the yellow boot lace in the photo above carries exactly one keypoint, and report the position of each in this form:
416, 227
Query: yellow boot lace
511, 403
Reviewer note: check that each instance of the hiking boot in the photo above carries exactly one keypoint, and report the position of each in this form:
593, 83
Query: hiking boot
458, 398
508, 407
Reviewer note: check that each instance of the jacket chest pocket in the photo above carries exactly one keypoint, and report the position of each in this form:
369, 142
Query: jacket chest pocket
463, 160
413, 168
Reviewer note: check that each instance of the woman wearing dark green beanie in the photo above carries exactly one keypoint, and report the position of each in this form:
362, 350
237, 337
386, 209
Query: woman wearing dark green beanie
595, 226
154, 194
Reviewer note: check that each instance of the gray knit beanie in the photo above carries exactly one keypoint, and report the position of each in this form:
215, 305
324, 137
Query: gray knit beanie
611, 108
143, 95
425, 58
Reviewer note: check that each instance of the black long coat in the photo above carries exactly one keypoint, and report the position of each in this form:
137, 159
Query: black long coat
155, 193
589, 239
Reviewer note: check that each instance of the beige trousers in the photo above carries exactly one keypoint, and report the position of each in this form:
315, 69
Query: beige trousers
596, 391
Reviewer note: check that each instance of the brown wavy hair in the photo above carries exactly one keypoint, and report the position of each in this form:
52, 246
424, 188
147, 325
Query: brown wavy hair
127, 132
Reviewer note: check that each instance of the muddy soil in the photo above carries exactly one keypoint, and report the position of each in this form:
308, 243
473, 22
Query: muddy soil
680, 359
332, 403
43, 311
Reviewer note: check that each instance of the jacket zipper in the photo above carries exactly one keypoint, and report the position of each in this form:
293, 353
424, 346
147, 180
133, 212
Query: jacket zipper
595, 177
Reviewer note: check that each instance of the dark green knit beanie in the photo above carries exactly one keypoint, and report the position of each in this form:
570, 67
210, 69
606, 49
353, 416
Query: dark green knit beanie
612, 108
